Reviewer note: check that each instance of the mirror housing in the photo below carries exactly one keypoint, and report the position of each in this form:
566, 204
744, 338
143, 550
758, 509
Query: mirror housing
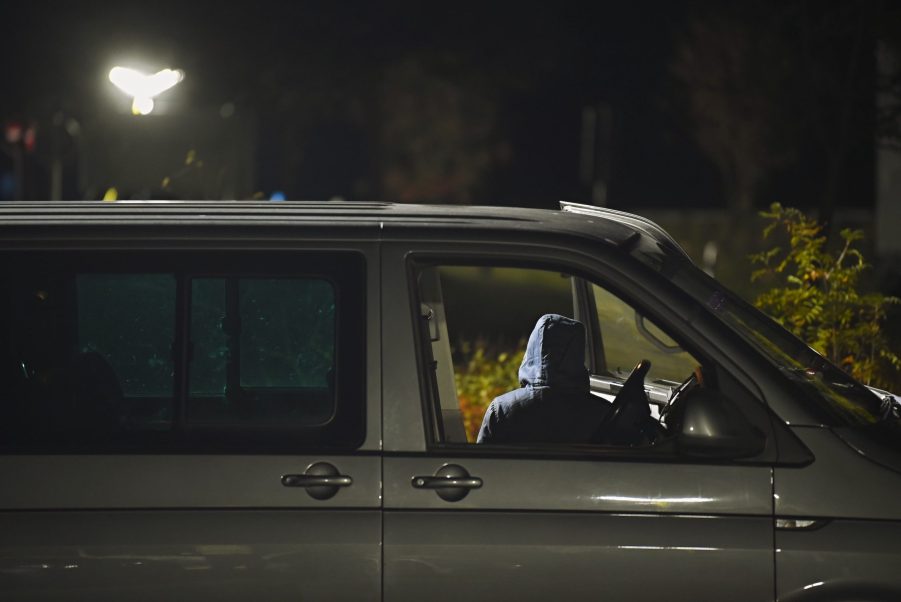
707, 425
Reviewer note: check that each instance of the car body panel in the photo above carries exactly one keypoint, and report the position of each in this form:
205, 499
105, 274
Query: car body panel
595, 484
459, 554
840, 482
841, 560
190, 555
168, 481
542, 525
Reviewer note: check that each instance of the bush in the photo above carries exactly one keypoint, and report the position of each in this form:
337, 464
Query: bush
482, 371
819, 298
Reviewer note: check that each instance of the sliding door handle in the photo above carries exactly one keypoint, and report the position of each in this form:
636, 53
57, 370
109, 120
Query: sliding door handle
321, 480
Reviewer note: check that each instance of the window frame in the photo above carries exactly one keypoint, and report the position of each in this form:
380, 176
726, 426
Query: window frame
344, 269
556, 261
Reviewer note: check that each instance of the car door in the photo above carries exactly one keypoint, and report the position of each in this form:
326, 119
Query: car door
480, 522
207, 425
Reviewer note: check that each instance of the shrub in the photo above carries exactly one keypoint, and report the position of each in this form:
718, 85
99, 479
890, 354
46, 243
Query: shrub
819, 298
482, 371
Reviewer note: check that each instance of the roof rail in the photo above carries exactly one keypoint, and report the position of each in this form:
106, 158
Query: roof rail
638, 222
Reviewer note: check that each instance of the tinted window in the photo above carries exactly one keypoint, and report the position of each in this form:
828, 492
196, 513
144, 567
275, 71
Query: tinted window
262, 351
287, 332
129, 319
181, 352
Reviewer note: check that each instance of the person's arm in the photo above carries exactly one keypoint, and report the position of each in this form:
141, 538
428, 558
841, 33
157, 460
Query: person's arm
488, 430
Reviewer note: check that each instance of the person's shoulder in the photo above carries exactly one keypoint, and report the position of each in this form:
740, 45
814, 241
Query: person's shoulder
512, 399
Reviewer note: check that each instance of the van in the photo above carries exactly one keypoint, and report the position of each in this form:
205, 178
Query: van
275, 401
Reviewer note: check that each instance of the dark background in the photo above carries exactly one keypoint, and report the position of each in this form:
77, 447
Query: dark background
697, 114
473, 103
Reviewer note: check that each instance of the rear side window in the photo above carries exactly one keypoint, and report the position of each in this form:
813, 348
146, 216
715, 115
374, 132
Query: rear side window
262, 351
190, 352
129, 321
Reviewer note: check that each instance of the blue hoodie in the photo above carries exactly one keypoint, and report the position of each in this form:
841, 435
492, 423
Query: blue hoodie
553, 404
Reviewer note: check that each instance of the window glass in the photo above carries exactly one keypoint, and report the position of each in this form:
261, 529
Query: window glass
833, 395
628, 337
129, 319
209, 343
263, 351
488, 314
517, 346
287, 332
181, 352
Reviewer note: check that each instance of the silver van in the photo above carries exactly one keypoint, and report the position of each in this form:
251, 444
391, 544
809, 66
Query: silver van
264, 401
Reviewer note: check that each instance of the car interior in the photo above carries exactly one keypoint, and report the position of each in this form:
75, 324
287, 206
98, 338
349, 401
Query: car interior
644, 401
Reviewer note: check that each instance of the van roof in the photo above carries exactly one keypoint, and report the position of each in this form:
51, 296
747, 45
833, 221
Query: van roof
614, 227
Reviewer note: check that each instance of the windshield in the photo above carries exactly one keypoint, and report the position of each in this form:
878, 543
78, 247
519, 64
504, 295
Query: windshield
835, 397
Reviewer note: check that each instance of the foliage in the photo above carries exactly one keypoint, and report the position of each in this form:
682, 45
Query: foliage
820, 300
482, 372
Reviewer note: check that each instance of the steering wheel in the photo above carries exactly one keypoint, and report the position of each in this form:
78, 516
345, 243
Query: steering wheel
623, 424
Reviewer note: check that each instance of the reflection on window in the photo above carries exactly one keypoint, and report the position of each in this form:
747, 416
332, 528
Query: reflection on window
628, 338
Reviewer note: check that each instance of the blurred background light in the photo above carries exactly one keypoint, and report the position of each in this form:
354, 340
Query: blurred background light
142, 87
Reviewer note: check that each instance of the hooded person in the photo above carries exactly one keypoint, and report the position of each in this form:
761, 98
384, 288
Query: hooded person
553, 403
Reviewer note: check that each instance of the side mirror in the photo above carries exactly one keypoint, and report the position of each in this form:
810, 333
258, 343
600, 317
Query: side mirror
707, 425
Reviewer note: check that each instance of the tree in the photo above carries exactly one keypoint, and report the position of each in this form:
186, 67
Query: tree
819, 297
438, 132
772, 87
731, 69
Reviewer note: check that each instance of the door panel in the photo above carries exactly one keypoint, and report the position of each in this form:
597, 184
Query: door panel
588, 526
574, 556
190, 555
542, 529
586, 485
190, 527
92, 482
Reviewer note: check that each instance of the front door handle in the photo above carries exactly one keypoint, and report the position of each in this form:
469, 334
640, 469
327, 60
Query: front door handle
451, 482
321, 480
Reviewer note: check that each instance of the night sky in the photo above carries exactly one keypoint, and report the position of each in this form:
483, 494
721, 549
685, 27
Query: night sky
326, 84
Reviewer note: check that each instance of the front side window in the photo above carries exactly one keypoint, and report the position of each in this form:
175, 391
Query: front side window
538, 357
627, 337
193, 352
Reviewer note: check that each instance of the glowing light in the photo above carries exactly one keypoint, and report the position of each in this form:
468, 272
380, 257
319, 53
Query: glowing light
111, 194
144, 88
812, 585
278, 195
141, 106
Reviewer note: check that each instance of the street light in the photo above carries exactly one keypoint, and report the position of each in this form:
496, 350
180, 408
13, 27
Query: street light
142, 87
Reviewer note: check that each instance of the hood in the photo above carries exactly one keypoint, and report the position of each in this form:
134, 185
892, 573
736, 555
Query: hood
555, 355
